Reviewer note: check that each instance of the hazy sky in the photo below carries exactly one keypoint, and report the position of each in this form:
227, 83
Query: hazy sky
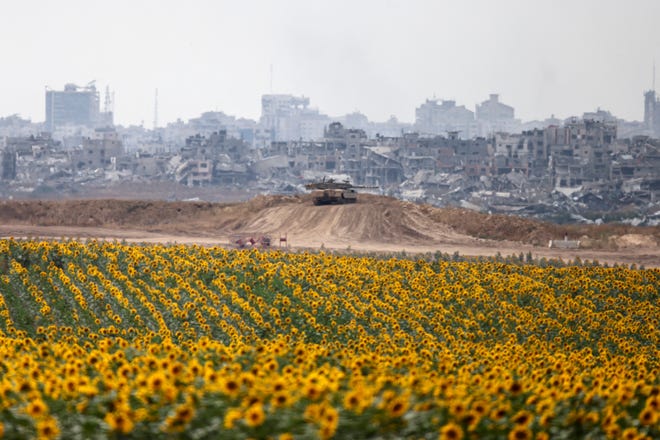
379, 57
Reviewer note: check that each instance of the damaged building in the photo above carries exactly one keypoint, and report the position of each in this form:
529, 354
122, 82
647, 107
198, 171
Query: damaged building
580, 151
652, 113
572, 166
100, 151
439, 118
218, 159
494, 116
7, 164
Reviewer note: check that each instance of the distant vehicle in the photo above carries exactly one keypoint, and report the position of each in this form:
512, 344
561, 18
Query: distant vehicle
330, 192
250, 240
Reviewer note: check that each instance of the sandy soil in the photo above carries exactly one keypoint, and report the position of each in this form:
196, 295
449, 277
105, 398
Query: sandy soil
374, 224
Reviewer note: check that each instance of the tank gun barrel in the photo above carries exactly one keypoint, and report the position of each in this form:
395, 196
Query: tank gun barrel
332, 184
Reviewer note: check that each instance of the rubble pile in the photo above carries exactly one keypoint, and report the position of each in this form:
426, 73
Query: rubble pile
578, 172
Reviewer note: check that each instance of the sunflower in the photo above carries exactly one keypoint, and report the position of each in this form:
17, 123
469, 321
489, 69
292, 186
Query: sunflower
156, 381
471, 419
231, 417
522, 418
653, 402
279, 384
397, 406
499, 412
313, 412
177, 422
546, 418
480, 407
457, 409
185, 413
312, 391
231, 387
176, 369
280, 399
520, 432
451, 431
648, 416
356, 401
71, 385
254, 416
36, 408
630, 434
515, 388
119, 421
47, 428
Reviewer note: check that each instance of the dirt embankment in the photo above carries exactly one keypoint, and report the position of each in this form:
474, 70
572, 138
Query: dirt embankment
374, 218
524, 230
374, 223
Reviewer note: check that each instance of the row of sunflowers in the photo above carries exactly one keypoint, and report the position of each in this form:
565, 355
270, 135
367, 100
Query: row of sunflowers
109, 340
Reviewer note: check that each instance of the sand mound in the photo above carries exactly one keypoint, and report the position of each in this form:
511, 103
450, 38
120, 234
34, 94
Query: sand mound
635, 241
363, 222
374, 219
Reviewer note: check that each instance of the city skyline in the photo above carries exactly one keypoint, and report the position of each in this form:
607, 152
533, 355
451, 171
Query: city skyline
379, 58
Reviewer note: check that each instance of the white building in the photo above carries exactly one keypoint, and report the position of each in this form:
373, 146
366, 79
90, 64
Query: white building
494, 116
289, 118
439, 119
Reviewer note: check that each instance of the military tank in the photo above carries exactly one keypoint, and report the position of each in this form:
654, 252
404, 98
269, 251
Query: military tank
331, 192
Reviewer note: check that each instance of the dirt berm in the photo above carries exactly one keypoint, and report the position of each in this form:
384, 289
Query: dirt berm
374, 219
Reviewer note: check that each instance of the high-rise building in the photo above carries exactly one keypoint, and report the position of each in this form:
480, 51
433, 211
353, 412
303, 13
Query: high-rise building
439, 119
74, 105
493, 116
289, 118
652, 113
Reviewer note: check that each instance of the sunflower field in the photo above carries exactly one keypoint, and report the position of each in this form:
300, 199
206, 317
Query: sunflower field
109, 340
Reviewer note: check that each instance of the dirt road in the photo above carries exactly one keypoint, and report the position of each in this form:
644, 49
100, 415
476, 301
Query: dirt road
463, 245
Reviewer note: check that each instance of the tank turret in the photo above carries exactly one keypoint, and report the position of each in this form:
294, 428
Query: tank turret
331, 192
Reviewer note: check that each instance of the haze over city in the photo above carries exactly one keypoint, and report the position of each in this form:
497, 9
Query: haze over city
381, 58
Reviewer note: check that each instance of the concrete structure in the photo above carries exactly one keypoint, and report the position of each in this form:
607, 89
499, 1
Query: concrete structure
288, 117
15, 126
511, 153
31, 145
218, 159
652, 113
100, 151
348, 143
356, 120
7, 164
580, 151
564, 244
73, 106
195, 173
493, 116
600, 116
239, 128
433, 118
